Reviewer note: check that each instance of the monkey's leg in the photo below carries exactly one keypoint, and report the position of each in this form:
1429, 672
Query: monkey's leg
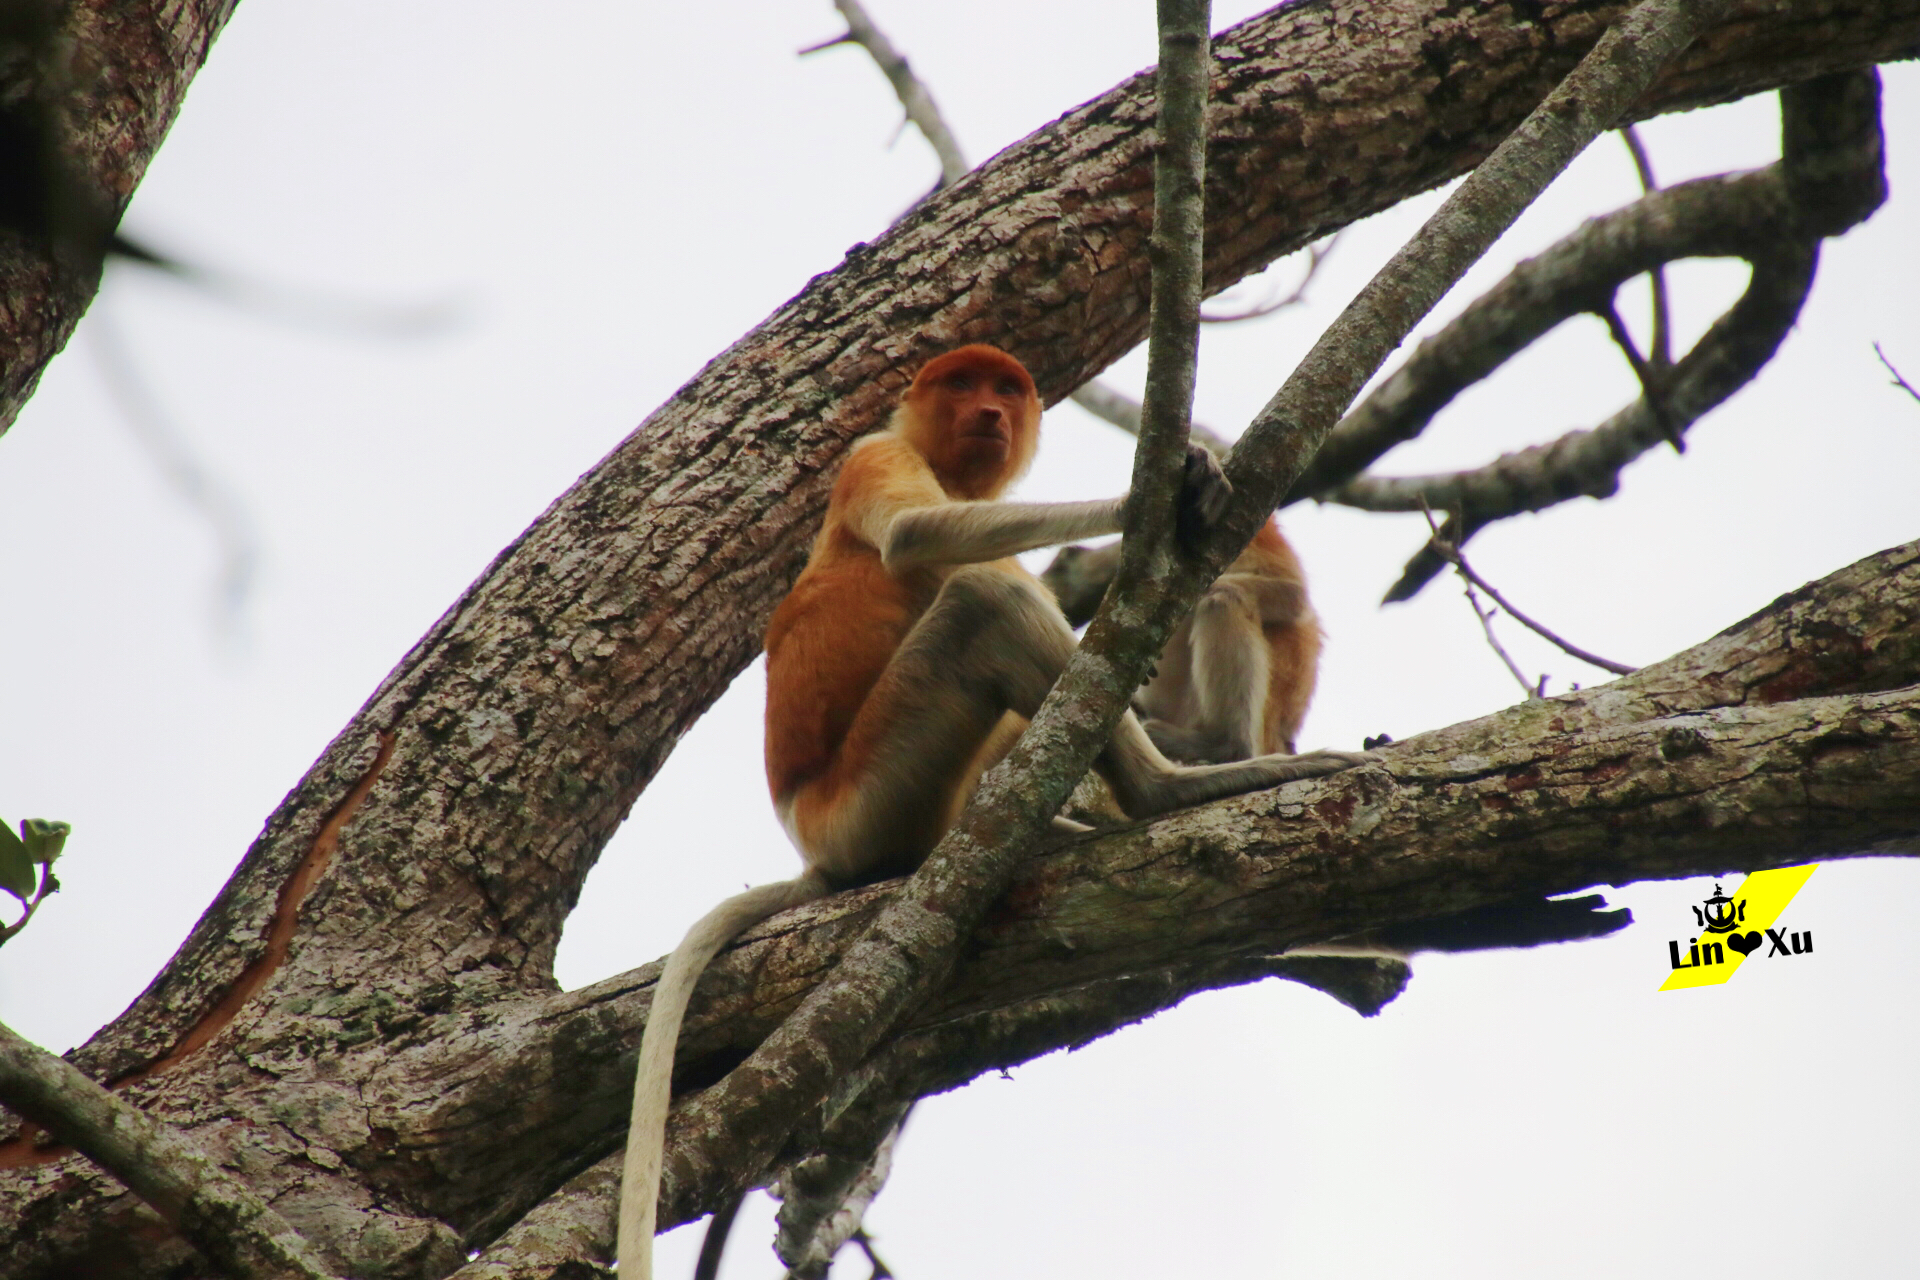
1231, 670
991, 642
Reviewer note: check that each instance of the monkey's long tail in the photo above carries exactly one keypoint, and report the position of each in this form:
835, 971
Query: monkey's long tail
653, 1082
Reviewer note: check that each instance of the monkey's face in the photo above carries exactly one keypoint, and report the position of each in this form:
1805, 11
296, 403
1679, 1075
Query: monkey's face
977, 418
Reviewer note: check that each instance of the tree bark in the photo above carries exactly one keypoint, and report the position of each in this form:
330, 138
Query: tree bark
108, 82
338, 1028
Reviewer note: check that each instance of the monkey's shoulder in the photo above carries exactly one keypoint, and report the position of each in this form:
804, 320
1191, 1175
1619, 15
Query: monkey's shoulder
883, 470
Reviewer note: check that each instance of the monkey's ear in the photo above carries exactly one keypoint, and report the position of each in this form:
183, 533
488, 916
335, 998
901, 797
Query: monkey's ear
1204, 493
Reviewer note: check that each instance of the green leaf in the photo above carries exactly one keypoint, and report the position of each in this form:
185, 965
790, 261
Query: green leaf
16, 865
44, 838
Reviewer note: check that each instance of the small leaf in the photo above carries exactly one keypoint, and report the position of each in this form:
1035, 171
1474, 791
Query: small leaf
16, 865
44, 838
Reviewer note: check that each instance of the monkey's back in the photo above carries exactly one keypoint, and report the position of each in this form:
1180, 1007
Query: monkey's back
1295, 645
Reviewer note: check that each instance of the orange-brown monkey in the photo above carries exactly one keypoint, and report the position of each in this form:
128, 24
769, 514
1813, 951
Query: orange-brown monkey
907, 642
1237, 674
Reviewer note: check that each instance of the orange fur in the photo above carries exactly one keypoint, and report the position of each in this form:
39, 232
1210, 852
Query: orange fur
1292, 641
967, 428
1295, 645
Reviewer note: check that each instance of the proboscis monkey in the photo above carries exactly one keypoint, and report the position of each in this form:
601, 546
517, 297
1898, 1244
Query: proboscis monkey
910, 640
1236, 675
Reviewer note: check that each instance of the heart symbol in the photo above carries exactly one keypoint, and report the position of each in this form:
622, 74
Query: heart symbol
1745, 943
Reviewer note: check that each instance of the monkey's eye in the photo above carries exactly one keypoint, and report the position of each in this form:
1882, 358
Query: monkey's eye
960, 382
1009, 387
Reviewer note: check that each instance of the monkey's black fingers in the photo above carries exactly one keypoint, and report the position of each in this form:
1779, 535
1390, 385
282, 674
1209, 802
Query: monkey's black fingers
1204, 494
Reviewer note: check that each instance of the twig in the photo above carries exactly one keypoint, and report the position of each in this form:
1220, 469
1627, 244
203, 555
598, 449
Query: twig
1651, 379
1661, 354
912, 92
1455, 557
1528, 688
190, 479
49, 884
222, 1217
880, 1269
1316, 254
1898, 381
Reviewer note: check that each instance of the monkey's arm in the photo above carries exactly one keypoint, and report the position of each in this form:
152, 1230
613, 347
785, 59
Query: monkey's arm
975, 532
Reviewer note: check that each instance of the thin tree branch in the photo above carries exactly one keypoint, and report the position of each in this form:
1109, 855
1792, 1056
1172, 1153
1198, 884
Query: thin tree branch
183, 472
1316, 255
1762, 216
824, 1199
1123, 411
914, 96
1754, 215
1651, 380
1661, 354
1453, 556
1278, 446
1829, 177
914, 944
1898, 381
1528, 688
237, 1231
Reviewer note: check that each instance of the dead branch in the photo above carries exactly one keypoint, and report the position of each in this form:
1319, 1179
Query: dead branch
1898, 381
915, 99
1458, 560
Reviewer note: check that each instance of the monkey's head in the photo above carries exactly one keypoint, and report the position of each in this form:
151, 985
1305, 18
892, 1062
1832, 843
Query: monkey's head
975, 416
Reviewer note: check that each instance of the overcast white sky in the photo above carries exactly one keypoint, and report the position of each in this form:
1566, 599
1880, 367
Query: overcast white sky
610, 194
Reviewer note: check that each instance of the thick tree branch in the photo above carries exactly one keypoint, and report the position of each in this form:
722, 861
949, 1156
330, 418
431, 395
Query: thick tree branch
1702, 763
509, 1100
221, 1215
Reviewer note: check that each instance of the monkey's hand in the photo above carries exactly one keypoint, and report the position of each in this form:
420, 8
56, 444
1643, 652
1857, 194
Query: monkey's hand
1204, 493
